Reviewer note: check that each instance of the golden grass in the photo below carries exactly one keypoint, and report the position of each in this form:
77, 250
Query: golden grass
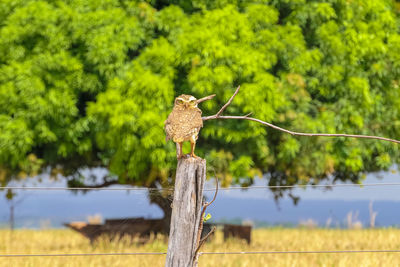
274, 239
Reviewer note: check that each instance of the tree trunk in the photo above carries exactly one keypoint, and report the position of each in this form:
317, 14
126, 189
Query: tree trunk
164, 203
186, 212
12, 219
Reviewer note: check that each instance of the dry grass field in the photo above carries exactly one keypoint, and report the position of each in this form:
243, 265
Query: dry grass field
273, 239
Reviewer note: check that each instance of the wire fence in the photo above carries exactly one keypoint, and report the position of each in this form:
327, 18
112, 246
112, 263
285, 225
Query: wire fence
84, 254
201, 253
206, 189
142, 189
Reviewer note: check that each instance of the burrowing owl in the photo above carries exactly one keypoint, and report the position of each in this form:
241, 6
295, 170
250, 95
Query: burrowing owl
184, 122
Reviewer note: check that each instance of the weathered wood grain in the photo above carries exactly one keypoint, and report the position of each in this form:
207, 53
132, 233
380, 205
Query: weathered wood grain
186, 212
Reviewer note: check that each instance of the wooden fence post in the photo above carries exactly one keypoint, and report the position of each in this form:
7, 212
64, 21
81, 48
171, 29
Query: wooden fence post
186, 212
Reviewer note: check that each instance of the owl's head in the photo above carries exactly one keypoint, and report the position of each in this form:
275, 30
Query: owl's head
186, 101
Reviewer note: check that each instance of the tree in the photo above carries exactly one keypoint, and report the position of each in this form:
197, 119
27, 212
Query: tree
90, 83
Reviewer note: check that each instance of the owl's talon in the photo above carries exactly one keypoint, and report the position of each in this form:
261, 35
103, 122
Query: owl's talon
194, 156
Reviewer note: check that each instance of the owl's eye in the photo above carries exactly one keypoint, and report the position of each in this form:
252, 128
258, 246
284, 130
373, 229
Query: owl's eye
179, 102
192, 102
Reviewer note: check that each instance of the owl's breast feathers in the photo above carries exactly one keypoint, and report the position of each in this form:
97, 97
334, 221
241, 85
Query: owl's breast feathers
182, 124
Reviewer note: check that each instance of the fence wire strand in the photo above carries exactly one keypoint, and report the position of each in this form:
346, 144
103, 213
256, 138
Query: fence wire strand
201, 253
85, 254
142, 189
206, 189
299, 252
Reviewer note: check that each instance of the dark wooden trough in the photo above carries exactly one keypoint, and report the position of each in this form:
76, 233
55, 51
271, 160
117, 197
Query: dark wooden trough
142, 229
237, 231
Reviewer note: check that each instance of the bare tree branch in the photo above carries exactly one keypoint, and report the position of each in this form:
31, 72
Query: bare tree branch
201, 241
229, 102
204, 239
205, 98
72, 183
246, 117
215, 194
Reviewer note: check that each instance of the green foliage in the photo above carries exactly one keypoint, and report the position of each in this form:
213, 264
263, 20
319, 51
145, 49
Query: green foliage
90, 83
207, 217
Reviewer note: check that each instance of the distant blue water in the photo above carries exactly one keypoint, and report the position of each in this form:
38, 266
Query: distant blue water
38, 207
52, 208
319, 211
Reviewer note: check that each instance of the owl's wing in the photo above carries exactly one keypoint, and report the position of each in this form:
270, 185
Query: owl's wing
182, 124
197, 121
169, 129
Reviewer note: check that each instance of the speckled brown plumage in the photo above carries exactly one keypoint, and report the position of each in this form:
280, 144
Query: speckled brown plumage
184, 122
